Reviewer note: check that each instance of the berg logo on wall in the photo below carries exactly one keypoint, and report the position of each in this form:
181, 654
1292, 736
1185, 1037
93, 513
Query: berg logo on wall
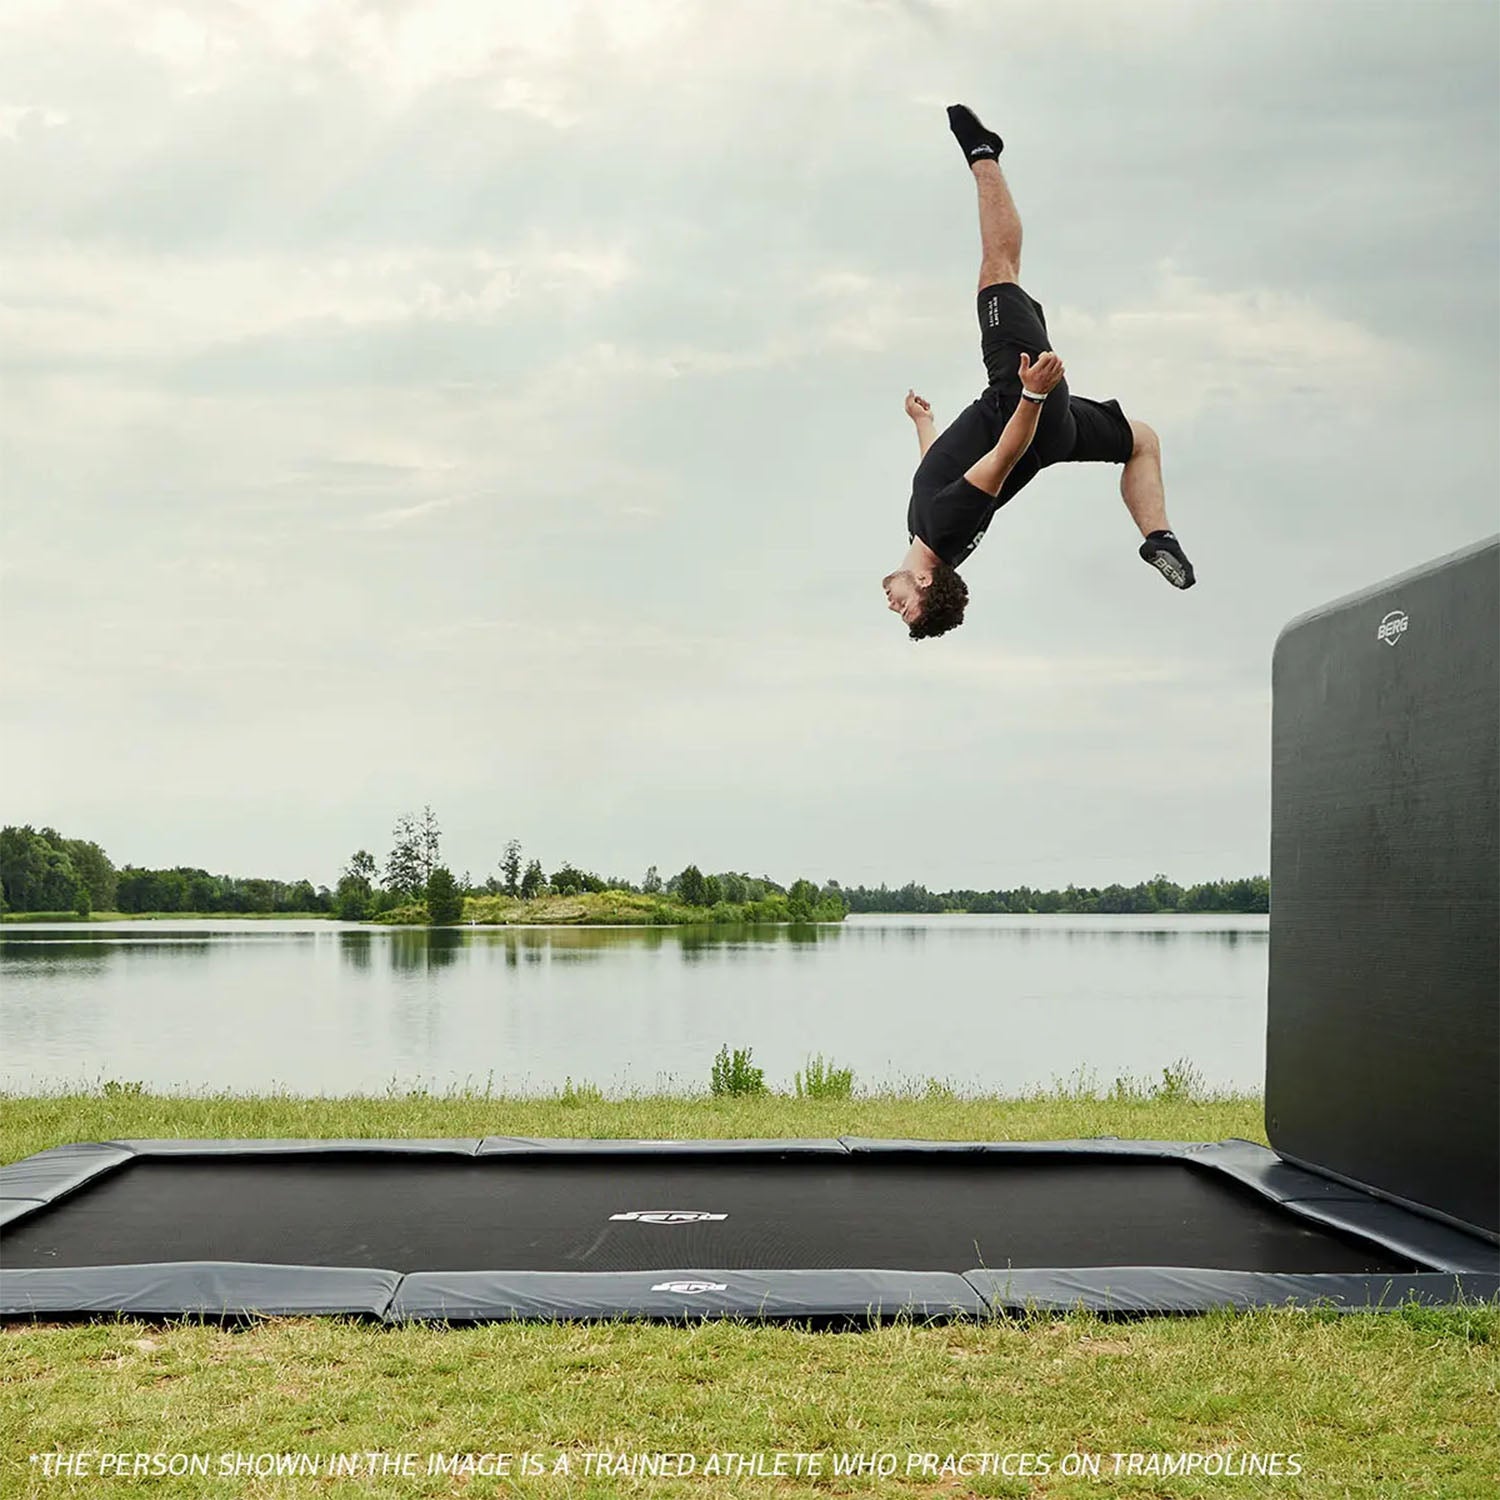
670, 1216
690, 1288
1393, 627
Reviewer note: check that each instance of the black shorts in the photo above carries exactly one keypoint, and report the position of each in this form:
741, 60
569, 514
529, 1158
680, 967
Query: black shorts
1071, 429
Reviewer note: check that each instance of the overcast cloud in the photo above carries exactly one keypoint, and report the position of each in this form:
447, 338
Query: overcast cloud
498, 406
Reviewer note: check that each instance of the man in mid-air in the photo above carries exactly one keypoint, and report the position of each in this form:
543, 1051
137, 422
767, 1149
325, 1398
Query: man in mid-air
1026, 420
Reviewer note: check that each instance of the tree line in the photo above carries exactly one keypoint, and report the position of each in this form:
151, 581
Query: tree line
1248, 894
42, 871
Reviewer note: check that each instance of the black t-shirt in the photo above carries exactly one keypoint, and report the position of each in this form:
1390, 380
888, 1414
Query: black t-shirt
946, 511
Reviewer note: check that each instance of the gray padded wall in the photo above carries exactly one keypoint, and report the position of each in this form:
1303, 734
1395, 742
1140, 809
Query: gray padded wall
1383, 1034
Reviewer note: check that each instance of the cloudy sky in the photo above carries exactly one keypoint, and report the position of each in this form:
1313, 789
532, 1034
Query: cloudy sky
498, 406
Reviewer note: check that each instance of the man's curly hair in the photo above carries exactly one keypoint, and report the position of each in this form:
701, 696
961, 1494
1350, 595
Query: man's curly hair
943, 602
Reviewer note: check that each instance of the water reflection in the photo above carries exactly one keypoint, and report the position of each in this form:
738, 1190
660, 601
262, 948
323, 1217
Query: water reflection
420, 948
357, 949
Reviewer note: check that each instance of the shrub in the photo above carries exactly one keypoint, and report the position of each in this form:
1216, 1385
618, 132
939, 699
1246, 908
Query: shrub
733, 1073
820, 1080
1181, 1083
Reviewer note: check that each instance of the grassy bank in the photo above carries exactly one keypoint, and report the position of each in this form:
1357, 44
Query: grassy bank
587, 908
1396, 1405
29, 1123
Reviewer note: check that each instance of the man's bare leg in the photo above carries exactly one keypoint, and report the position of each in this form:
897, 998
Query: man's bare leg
1146, 499
999, 223
999, 226
1141, 484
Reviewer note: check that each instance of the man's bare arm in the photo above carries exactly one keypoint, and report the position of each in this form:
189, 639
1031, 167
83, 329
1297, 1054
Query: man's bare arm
921, 414
990, 473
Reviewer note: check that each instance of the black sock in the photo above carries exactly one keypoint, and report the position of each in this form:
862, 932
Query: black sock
1162, 544
978, 143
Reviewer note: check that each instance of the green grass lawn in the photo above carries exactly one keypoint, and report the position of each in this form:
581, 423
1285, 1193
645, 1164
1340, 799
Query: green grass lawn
1398, 1404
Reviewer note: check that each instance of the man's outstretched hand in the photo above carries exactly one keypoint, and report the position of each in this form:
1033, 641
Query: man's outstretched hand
917, 408
1040, 377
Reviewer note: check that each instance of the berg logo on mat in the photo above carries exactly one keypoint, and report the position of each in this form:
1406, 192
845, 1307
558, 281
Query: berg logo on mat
690, 1288
670, 1216
1393, 627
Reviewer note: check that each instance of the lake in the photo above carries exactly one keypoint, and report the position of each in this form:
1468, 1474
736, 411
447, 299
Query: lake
987, 1004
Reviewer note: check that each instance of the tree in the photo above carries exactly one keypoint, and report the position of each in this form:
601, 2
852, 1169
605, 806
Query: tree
95, 871
569, 879
713, 890
302, 897
510, 867
352, 901
170, 888
261, 897
430, 842
445, 903
651, 882
362, 866
690, 886
38, 874
405, 872
533, 882
801, 900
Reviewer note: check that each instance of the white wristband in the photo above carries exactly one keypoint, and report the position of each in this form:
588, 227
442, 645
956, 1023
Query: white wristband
1035, 397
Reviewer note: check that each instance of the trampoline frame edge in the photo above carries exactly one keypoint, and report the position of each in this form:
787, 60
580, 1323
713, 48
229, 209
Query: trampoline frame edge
1456, 1262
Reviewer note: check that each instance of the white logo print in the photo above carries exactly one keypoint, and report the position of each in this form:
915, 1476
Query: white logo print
670, 1216
1393, 627
687, 1288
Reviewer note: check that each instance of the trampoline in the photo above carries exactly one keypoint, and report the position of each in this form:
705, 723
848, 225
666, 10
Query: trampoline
1382, 1106
842, 1229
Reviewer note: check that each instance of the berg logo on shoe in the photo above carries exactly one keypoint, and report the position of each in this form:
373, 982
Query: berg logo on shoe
690, 1288
670, 1216
1393, 627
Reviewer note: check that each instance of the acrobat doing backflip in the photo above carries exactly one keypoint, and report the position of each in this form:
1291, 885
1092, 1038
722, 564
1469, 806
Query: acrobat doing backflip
1025, 421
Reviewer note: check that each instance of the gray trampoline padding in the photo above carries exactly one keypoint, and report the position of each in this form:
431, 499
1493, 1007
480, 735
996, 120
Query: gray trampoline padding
1168, 1289
202, 1289
523, 1145
52, 1173
854, 1295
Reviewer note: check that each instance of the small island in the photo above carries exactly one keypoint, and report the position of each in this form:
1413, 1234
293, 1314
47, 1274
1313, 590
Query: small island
613, 907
